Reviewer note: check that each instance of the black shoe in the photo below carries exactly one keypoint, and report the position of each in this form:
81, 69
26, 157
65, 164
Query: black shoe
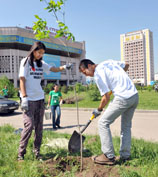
58, 126
55, 128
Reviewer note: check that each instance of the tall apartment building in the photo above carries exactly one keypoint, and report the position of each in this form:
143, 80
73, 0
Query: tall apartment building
137, 50
15, 42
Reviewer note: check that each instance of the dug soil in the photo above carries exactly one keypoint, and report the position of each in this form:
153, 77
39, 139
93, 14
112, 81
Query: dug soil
63, 165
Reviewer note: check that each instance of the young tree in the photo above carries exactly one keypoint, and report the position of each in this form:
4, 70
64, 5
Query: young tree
41, 32
40, 25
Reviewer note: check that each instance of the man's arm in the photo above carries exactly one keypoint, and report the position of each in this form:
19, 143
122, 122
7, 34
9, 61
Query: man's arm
104, 101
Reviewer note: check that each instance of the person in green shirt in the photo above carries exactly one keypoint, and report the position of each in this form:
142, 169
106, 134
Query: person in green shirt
55, 100
5, 92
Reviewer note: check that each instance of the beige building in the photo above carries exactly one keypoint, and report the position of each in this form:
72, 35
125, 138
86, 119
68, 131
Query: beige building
137, 50
15, 42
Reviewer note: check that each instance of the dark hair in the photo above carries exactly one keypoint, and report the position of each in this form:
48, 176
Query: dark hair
84, 63
30, 57
54, 86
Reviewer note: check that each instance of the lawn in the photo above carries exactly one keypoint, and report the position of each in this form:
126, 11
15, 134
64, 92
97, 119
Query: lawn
148, 100
143, 163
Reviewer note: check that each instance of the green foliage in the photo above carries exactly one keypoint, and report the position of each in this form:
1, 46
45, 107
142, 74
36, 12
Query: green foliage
52, 6
40, 26
48, 88
149, 88
4, 81
138, 87
64, 31
70, 88
79, 87
64, 89
94, 93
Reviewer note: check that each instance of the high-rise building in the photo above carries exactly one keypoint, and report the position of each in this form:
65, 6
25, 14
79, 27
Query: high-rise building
137, 50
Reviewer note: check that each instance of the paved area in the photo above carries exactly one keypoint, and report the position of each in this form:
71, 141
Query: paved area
145, 123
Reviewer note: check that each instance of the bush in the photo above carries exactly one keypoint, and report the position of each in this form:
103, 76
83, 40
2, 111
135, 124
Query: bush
80, 87
70, 88
64, 89
4, 81
94, 93
48, 87
149, 88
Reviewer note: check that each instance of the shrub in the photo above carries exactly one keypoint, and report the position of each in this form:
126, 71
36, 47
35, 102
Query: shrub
70, 88
149, 88
48, 87
4, 81
94, 93
64, 89
80, 87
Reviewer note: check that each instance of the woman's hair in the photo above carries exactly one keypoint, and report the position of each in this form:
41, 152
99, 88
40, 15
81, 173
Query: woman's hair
54, 86
36, 46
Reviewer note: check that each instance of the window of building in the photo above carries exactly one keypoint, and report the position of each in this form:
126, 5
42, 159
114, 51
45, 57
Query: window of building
4, 64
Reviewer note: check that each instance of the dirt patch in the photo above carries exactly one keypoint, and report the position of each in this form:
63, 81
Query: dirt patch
54, 167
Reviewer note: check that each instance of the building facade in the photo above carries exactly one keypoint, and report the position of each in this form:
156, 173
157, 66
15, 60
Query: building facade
15, 42
137, 50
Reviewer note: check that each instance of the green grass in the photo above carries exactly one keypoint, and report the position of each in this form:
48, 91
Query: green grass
144, 162
147, 100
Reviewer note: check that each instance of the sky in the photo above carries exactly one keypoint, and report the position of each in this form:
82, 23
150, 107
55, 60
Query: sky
97, 22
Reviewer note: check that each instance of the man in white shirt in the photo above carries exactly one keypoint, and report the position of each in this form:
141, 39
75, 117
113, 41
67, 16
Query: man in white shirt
110, 75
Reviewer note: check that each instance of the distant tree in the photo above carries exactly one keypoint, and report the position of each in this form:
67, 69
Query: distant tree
94, 93
4, 81
48, 88
64, 89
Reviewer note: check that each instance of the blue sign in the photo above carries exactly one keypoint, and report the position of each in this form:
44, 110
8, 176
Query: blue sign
52, 60
30, 41
152, 83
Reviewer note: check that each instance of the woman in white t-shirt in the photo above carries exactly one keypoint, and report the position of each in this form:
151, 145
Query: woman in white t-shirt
31, 72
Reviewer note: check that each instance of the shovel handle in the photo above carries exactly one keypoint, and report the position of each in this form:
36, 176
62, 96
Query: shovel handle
90, 120
85, 126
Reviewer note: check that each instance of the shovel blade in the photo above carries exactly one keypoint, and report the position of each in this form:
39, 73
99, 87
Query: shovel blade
75, 142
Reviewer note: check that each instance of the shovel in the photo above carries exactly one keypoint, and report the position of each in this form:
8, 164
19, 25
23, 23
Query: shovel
75, 142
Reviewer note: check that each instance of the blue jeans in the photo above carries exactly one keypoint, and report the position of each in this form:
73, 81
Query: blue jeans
56, 109
125, 108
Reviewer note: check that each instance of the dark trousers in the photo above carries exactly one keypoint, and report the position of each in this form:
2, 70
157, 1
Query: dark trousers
33, 119
56, 109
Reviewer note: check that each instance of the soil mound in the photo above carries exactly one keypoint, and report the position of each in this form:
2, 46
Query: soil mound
62, 165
